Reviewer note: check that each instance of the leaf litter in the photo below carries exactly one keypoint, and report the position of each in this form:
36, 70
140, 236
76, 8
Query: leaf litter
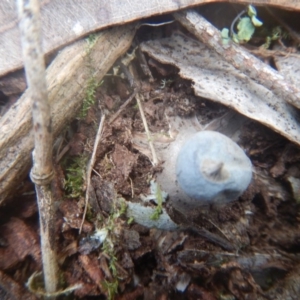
138, 262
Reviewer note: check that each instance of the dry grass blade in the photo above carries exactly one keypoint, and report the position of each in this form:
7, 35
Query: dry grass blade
90, 168
150, 139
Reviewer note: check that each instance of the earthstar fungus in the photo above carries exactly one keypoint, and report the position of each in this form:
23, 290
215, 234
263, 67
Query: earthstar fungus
211, 168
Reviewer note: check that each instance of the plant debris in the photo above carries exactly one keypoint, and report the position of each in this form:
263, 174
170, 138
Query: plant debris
246, 249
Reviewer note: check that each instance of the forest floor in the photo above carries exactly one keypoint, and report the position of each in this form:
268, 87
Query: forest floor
253, 249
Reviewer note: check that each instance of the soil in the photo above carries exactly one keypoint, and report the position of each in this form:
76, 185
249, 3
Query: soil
259, 258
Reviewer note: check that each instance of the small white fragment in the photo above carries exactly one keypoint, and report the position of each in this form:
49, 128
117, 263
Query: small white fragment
183, 282
100, 235
142, 215
77, 28
154, 190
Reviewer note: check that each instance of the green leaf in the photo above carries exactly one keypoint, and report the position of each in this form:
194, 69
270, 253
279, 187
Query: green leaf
251, 11
235, 38
245, 29
225, 36
225, 33
256, 22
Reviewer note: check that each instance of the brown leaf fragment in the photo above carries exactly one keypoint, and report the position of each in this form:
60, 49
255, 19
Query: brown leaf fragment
77, 144
87, 245
131, 239
162, 69
69, 250
196, 292
135, 294
104, 266
121, 88
14, 83
272, 192
237, 281
73, 216
166, 242
144, 250
92, 267
278, 169
126, 261
105, 192
87, 289
21, 240
288, 288
70, 209
108, 102
13, 290
124, 160
289, 154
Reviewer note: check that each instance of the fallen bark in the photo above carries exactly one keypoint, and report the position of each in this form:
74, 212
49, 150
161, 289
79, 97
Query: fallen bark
239, 58
73, 19
67, 79
215, 79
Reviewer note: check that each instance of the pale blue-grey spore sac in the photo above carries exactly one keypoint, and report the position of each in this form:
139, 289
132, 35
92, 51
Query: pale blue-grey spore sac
211, 168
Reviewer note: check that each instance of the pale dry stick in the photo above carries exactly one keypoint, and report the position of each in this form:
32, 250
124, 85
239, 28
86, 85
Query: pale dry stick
266, 53
239, 58
132, 188
150, 139
97, 173
42, 170
90, 168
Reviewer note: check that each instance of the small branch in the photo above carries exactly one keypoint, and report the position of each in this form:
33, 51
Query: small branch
239, 58
42, 170
122, 107
150, 140
90, 168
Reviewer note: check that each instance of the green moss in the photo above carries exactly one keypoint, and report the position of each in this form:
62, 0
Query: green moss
111, 288
90, 98
75, 177
92, 84
111, 227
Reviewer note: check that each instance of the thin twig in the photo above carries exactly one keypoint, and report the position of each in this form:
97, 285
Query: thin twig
90, 168
211, 237
122, 107
239, 58
232, 32
150, 139
132, 188
266, 53
42, 170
